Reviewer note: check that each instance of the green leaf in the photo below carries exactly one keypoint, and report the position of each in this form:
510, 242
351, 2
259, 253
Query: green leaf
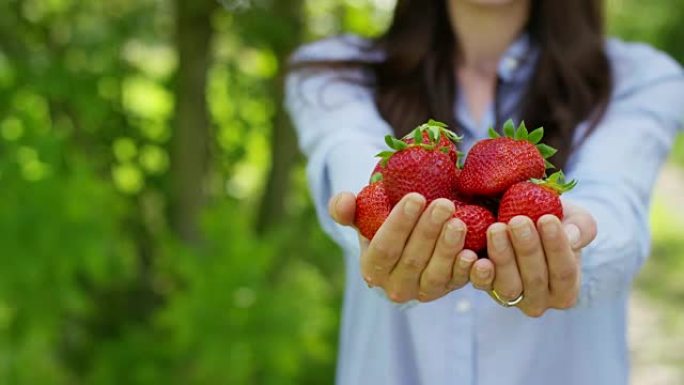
384, 154
389, 139
509, 128
536, 136
399, 145
433, 122
377, 177
435, 133
418, 136
546, 150
557, 182
521, 132
556, 177
548, 164
493, 134
452, 136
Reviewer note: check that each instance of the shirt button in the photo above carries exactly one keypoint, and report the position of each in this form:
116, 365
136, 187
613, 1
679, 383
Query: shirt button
463, 306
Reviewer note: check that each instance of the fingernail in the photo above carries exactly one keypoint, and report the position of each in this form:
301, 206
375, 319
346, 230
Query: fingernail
500, 240
453, 234
440, 213
521, 228
466, 261
412, 207
482, 272
333, 206
573, 234
337, 201
550, 227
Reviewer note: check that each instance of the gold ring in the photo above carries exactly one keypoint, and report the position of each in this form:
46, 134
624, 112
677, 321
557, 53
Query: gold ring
503, 302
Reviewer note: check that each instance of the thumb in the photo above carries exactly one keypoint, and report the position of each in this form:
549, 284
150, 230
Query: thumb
342, 208
579, 224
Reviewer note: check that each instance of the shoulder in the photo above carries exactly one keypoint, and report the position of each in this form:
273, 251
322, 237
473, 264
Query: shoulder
336, 48
322, 84
637, 65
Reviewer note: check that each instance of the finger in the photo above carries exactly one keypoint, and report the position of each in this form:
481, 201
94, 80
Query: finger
437, 274
507, 281
405, 278
580, 225
532, 264
384, 250
482, 274
562, 263
462, 267
342, 208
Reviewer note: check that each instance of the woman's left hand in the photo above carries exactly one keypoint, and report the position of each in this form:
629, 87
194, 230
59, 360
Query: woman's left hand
540, 261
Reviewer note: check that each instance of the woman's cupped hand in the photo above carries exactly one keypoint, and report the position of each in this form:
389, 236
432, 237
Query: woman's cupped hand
417, 254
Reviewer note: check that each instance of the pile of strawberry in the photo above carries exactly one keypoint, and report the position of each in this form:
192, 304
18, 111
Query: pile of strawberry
502, 177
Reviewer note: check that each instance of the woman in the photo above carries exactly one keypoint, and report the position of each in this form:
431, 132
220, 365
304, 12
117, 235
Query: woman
611, 108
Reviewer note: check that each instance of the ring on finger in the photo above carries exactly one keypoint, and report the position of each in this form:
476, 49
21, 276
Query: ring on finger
503, 302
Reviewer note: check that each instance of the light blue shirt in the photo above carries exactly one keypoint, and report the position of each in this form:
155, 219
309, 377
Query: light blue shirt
465, 338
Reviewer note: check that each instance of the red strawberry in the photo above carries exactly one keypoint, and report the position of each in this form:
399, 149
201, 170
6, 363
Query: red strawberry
535, 198
372, 208
425, 168
477, 220
493, 165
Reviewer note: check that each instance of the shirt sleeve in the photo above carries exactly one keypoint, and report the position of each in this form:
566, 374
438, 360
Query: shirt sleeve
617, 168
339, 132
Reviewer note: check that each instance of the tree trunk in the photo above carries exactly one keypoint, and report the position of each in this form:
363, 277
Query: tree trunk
283, 141
190, 141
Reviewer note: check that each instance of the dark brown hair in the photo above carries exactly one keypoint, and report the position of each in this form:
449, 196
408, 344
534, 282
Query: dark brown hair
415, 81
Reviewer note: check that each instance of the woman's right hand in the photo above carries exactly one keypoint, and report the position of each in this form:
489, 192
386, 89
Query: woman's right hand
417, 253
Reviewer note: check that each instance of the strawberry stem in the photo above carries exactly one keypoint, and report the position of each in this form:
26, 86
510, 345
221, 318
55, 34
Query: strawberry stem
434, 131
556, 182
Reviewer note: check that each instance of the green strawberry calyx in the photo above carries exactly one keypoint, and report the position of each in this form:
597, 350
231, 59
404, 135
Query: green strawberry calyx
434, 130
375, 178
521, 133
556, 182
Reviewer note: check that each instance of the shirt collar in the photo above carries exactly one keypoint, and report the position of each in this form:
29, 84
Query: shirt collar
517, 63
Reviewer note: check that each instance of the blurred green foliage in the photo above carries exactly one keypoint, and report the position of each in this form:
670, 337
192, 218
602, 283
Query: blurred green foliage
96, 288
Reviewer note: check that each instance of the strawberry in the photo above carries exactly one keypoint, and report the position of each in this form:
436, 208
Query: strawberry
493, 165
477, 220
423, 167
372, 208
535, 198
